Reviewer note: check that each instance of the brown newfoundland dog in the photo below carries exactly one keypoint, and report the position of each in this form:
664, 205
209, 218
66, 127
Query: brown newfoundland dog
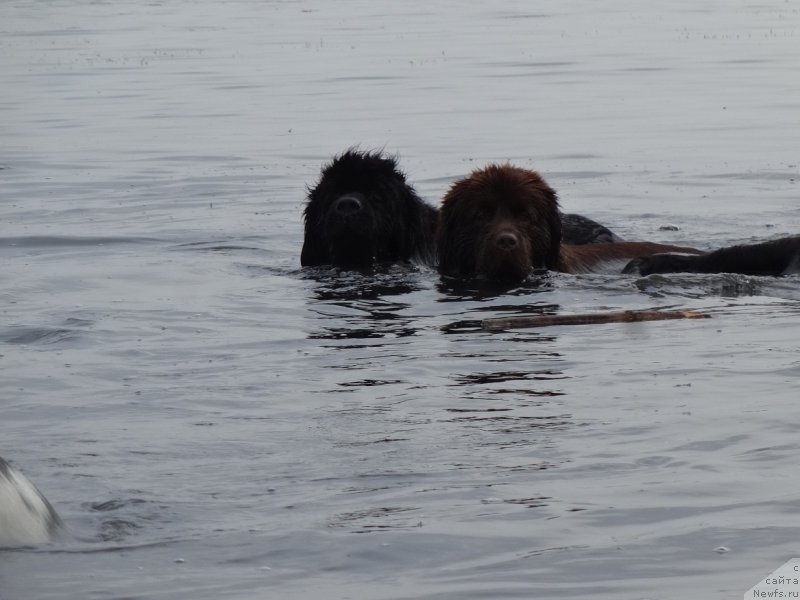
502, 222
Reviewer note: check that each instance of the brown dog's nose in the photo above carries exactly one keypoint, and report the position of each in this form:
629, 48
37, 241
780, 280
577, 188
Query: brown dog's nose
348, 205
506, 241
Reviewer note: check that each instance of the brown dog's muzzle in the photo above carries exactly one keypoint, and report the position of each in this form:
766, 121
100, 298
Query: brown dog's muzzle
504, 255
506, 241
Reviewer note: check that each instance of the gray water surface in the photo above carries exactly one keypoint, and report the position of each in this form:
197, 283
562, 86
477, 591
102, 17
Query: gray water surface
212, 421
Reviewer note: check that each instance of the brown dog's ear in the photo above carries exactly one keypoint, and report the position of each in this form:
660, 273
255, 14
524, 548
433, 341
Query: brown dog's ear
452, 256
546, 201
444, 233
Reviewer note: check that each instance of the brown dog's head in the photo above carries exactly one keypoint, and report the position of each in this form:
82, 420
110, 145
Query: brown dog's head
499, 224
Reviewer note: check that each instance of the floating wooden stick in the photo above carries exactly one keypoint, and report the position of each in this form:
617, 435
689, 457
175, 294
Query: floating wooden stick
622, 316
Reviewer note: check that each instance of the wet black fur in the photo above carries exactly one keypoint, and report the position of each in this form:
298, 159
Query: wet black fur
384, 219
579, 230
775, 257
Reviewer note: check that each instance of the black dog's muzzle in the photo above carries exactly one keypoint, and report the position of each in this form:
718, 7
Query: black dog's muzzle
348, 206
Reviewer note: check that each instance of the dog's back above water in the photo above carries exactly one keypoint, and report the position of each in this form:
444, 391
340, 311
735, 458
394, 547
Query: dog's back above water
774, 258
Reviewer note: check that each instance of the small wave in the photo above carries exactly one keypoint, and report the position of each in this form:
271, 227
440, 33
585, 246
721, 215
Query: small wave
374, 519
727, 285
35, 335
57, 241
219, 246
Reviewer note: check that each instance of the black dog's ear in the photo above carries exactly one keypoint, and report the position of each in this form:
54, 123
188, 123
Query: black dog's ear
417, 227
315, 248
312, 254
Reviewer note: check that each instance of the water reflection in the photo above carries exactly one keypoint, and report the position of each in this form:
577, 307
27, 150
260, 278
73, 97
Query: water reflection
372, 320
364, 304
515, 424
334, 283
379, 518
459, 290
505, 376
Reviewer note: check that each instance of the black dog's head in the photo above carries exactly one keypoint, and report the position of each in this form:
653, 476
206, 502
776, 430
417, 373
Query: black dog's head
363, 211
499, 223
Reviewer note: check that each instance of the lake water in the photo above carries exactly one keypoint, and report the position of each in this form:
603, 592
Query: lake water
212, 421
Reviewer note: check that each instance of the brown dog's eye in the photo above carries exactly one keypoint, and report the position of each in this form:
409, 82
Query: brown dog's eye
523, 214
485, 211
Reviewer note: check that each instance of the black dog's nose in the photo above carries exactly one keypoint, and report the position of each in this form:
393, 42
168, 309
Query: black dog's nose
506, 241
348, 205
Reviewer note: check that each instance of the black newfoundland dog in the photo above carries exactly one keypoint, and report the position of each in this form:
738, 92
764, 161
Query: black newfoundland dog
502, 222
362, 211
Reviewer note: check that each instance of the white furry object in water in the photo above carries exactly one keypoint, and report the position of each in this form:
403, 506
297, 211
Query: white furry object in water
26, 517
